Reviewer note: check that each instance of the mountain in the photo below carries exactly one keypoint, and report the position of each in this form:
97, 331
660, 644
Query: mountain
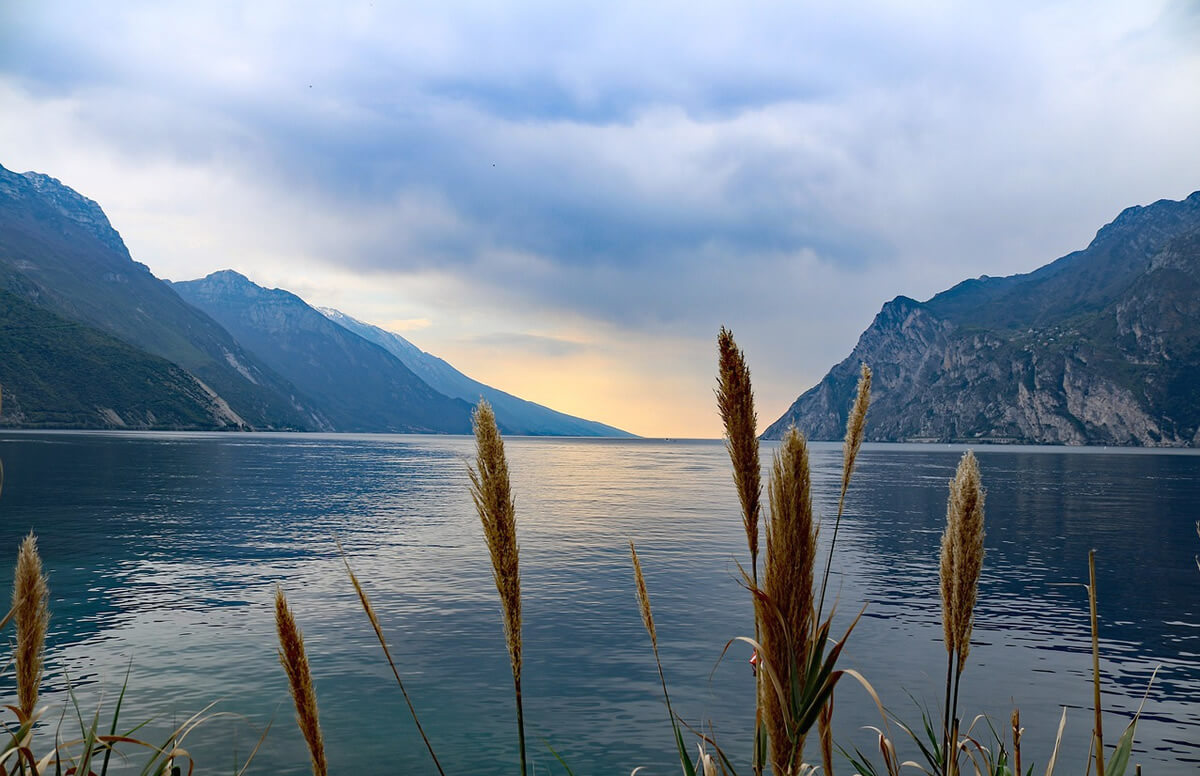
1099, 347
58, 373
357, 384
59, 252
514, 415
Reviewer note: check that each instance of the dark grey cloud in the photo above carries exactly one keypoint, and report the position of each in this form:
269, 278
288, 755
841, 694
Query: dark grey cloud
648, 165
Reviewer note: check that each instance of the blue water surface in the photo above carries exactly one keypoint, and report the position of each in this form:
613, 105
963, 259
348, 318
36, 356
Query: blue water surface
164, 551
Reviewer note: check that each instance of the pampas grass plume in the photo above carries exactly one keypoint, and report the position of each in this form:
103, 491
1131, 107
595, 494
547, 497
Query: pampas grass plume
30, 601
946, 581
492, 494
643, 598
735, 401
959, 567
786, 612
295, 663
856, 425
966, 504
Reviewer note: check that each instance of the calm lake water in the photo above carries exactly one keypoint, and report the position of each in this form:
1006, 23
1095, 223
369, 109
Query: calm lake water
163, 552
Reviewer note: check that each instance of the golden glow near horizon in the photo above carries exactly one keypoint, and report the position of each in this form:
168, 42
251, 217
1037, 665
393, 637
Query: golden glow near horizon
619, 390
600, 389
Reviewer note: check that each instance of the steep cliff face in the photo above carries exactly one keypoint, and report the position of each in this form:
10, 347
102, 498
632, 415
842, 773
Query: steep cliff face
1099, 347
59, 252
58, 373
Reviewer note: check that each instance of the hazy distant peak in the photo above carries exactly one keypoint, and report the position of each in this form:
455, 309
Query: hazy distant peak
350, 322
230, 285
515, 415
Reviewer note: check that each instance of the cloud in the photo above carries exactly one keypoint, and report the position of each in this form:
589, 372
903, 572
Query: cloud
540, 345
622, 169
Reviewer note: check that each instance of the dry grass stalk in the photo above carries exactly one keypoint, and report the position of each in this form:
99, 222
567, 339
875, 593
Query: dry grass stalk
370, 610
960, 565
825, 730
1098, 731
31, 604
492, 494
856, 425
946, 582
735, 400
966, 501
786, 612
648, 621
295, 663
643, 598
1017, 730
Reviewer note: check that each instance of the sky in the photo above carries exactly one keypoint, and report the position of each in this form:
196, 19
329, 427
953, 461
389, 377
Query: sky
568, 200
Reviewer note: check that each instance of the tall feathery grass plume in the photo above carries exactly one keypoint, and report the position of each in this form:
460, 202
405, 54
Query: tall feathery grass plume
30, 601
785, 605
960, 564
856, 427
735, 403
492, 494
295, 662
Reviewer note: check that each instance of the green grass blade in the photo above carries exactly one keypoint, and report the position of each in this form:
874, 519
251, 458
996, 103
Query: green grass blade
112, 731
559, 757
1119, 762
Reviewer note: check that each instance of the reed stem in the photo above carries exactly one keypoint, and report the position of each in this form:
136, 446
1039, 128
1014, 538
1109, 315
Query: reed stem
1099, 730
1016, 731
952, 755
370, 610
946, 713
521, 717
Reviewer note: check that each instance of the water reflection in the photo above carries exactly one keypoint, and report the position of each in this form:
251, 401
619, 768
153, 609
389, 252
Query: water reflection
165, 549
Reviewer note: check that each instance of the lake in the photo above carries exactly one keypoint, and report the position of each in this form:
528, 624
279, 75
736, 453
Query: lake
164, 550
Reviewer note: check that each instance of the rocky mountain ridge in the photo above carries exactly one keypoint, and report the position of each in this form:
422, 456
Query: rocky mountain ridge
59, 252
1099, 347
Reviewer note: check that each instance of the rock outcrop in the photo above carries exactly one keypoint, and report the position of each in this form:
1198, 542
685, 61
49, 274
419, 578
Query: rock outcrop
1101, 347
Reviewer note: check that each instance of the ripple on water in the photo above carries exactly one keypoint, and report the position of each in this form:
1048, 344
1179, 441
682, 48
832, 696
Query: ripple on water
166, 549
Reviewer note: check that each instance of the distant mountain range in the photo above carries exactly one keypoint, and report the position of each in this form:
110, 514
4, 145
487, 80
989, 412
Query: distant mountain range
358, 385
1100, 347
514, 415
90, 338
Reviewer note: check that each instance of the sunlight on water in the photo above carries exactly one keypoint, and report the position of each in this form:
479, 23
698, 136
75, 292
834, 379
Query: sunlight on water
164, 550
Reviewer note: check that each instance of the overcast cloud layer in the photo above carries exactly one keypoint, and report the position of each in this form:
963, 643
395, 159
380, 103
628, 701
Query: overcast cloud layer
567, 200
